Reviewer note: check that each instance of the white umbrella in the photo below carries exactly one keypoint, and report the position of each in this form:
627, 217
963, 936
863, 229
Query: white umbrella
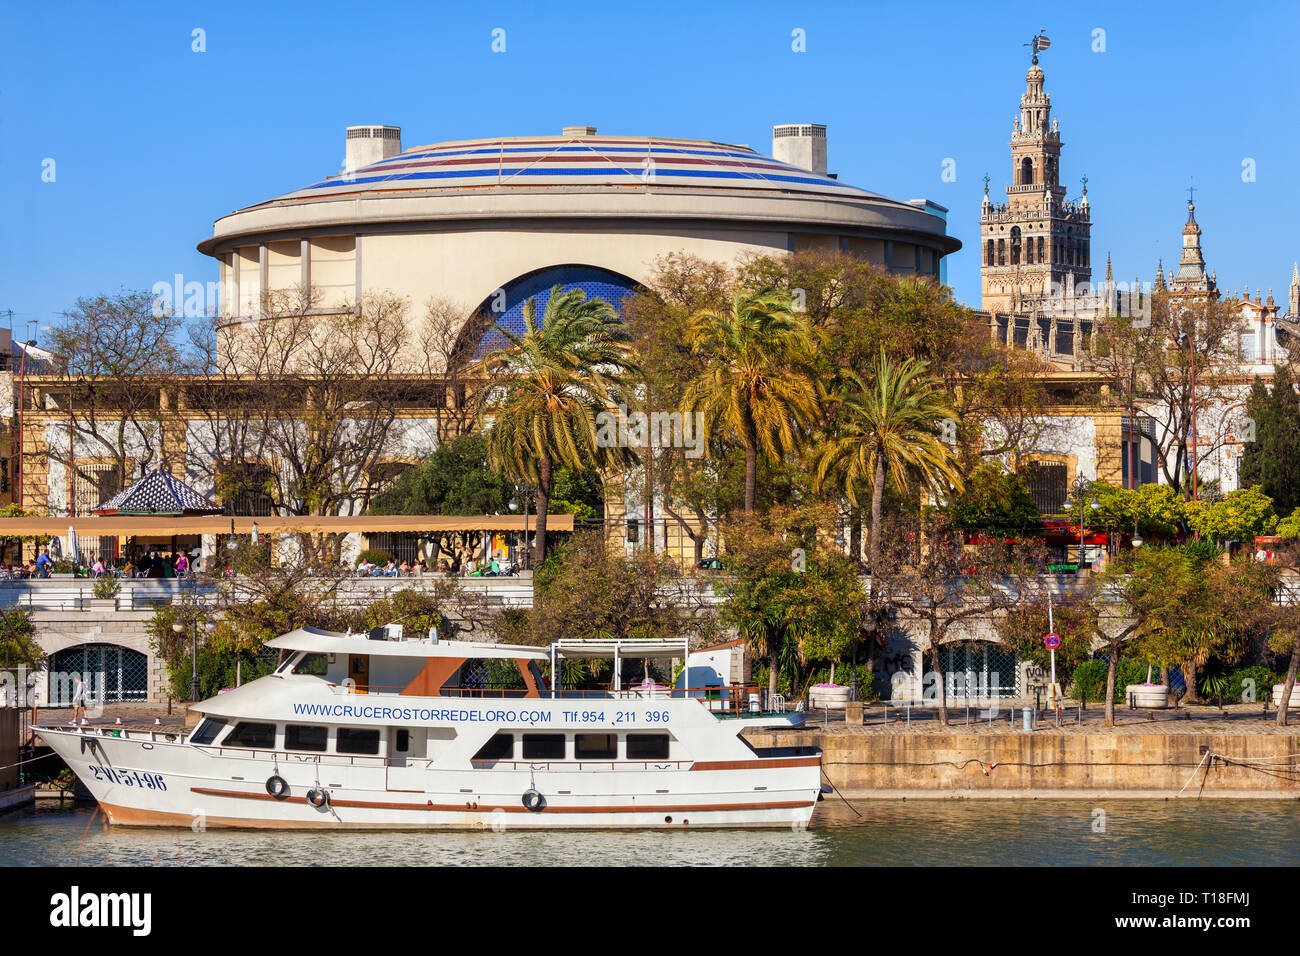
73, 553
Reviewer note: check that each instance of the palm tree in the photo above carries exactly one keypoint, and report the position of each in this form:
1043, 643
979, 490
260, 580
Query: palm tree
889, 430
546, 388
756, 379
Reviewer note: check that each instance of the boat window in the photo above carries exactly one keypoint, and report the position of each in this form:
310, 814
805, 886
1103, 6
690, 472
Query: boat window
354, 740
595, 747
647, 746
500, 747
248, 734
207, 731
300, 737
315, 664
403, 740
543, 746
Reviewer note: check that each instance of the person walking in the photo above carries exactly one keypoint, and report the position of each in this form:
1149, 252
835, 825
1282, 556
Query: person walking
78, 699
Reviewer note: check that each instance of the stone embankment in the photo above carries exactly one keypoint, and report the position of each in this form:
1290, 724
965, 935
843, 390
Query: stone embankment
1201, 757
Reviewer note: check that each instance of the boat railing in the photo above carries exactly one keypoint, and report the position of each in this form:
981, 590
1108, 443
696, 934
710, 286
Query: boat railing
150, 734
569, 766
296, 756
722, 699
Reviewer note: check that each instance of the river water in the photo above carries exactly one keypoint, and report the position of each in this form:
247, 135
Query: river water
887, 832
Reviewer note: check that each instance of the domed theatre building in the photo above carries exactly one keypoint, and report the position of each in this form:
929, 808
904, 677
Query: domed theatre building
488, 223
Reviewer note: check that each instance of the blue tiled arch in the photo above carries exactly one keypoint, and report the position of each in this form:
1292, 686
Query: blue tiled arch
596, 282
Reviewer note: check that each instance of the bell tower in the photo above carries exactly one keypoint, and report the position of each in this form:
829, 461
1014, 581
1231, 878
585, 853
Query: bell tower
1035, 247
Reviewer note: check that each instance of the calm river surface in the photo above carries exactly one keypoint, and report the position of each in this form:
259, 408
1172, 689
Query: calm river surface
895, 832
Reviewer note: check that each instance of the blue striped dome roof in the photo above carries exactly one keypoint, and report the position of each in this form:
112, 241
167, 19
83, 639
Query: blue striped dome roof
578, 162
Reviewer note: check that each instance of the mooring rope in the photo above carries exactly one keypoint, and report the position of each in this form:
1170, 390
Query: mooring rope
1207, 756
837, 791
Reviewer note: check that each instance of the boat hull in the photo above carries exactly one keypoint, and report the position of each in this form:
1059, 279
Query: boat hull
146, 780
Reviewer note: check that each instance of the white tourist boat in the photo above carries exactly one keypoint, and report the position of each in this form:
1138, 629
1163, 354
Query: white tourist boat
385, 731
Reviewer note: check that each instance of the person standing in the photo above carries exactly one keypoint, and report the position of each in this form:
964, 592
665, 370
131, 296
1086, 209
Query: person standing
182, 565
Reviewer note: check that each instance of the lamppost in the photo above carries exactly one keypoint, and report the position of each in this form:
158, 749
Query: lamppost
1082, 488
191, 609
522, 492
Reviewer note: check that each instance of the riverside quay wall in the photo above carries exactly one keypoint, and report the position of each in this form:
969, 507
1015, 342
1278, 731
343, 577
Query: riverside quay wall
1052, 764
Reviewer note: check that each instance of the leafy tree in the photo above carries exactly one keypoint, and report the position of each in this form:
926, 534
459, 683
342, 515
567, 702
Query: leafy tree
786, 593
946, 588
1157, 508
889, 429
1239, 516
548, 386
18, 639
577, 493
589, 589
1272, 460
699, 482
1189, 606
16, 540
756, 380
994, 499
1073, 617
1289, 527
454, 480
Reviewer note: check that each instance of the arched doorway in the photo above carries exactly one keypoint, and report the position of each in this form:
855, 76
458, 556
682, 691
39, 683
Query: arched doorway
112, 673
504, 308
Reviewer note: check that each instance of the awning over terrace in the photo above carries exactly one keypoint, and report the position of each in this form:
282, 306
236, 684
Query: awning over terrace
150, 526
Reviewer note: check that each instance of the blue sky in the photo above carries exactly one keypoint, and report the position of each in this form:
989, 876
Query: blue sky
152, 141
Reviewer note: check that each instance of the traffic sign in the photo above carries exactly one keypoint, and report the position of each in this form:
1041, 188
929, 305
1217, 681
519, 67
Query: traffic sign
1052, 640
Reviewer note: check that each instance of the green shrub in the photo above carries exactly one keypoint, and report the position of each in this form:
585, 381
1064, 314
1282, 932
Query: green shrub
1090, 678
374, 556
1264, 680
217, 670
107, 586
1202, 549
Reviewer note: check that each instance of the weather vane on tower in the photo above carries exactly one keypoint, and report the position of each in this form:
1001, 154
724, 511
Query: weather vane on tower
1039, 43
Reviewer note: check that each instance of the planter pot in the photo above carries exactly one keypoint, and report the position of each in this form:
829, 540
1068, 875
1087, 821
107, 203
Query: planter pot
1152, 696
1295, 696
834, 698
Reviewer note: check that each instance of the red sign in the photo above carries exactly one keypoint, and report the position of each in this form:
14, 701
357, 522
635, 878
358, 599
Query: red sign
1052, 640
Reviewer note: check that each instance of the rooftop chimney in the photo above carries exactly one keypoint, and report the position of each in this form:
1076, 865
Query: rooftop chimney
800, 144
370, 144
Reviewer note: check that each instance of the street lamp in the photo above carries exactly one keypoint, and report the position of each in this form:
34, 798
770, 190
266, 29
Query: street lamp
1081, 489
522, 492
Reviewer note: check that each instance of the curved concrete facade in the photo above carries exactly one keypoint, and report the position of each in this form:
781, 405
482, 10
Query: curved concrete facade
460, 220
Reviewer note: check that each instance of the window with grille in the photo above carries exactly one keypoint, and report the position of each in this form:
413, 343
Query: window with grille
978, 670
1047, 486
402, 547
247, 490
